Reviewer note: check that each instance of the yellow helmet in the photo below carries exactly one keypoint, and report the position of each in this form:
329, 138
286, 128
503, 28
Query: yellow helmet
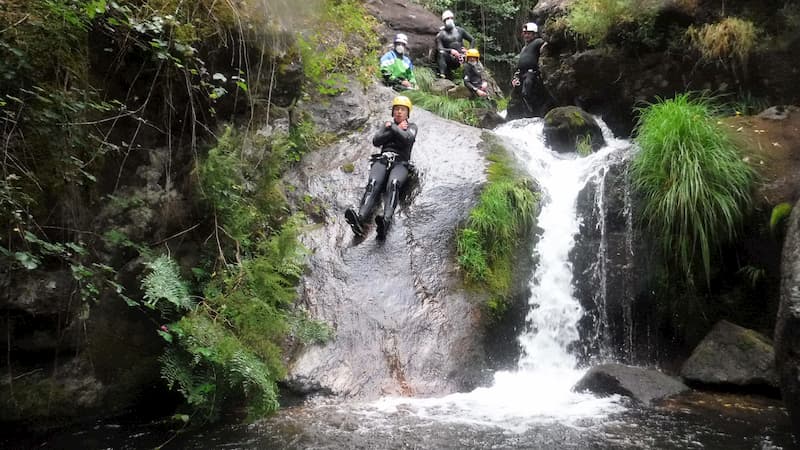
402, 100
473, 53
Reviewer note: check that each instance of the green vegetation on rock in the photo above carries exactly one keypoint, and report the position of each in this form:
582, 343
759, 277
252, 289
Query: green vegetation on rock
459, 109
501, 219
730, 40
595, 19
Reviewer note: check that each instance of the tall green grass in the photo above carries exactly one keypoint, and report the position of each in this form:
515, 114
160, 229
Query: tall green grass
503, 215
695, 185
459, 109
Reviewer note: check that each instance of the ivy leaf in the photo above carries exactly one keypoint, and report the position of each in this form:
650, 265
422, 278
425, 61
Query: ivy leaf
219, 76
27, 260
167, 337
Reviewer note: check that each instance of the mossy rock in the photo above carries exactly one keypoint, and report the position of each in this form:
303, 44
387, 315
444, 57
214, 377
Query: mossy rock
569, 128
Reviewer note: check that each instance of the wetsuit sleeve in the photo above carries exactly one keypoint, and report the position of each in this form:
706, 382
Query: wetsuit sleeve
440, 42
382, 136
406, 137
465, 36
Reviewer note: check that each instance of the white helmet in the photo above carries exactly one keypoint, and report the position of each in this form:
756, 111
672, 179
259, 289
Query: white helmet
401, 38
530, 26
447, 15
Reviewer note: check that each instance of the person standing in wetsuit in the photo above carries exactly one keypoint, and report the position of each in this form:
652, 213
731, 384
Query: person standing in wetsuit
450, 44
529, 97
389, 169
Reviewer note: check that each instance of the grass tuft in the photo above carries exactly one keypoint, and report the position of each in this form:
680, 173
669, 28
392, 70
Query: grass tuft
503, 215
694, 183
730, 40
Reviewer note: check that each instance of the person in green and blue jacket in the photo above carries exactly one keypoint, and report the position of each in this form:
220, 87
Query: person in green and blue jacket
396, 66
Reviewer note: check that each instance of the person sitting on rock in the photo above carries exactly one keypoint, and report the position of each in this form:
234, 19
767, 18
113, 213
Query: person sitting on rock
528, 95
396, 66
450, 44
473, 74
389, 169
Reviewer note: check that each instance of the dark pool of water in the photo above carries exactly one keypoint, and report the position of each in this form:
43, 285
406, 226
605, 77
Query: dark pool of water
694, 421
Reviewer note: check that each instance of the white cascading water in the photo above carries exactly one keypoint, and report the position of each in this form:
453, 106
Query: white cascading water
539, 391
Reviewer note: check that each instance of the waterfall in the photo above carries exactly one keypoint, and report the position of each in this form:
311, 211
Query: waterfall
540, 389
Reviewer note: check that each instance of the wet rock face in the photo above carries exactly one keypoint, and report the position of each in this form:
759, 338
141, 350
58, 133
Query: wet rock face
614, 263
403, 323
643, 385
732, 355
419, 24
566, 127
341, 113
787, 330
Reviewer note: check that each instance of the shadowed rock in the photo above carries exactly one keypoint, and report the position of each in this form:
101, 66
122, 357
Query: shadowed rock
643, 385
787, 329
568, 127
732, 355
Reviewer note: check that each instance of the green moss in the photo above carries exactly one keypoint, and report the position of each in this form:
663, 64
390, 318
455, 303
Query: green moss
779, 215
501, 219
348, 168
576, 119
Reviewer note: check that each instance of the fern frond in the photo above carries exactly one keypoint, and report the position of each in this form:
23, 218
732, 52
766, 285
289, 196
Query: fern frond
164, 282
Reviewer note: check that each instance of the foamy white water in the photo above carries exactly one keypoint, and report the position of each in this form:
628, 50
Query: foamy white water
539, 391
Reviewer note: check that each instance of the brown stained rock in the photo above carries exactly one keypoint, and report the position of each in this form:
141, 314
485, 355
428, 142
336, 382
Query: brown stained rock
772, 146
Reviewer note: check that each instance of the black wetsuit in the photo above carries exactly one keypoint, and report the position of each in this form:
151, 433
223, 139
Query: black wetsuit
385, 175
473, 76
530, 98
450, 39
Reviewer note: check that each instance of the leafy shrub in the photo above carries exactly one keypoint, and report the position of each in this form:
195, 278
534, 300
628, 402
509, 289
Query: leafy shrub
730, 40
503, 214
232, 337
695, 185
594, 19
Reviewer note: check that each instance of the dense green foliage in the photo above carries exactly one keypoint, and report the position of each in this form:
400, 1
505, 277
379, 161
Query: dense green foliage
159, 78
695, 186
502, 217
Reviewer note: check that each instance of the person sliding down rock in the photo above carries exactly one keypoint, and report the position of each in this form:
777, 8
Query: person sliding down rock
389, 169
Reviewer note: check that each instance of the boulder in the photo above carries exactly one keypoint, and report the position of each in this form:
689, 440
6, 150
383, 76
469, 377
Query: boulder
419, 24
341, 113
566, 127
404, 323
787, 329
732, 355
643, 385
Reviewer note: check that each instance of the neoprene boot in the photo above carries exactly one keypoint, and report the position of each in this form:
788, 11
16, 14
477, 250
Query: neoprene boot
351, 217
382, 226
